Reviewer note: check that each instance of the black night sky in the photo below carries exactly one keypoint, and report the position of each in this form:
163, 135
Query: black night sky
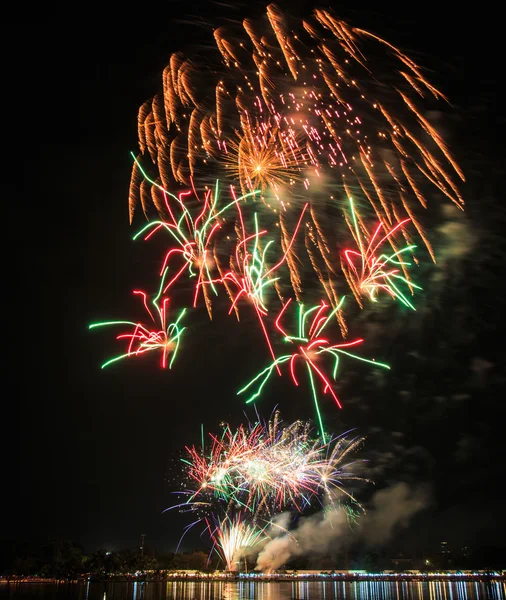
87, 451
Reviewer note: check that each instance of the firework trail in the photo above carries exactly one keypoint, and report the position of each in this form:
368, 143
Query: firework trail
142, 339
287, 107
310, 348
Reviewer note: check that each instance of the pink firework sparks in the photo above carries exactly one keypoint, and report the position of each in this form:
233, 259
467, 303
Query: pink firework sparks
310, 347
165, 338
368, 270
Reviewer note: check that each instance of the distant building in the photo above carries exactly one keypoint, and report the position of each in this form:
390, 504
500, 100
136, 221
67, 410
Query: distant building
445, 556
402, 562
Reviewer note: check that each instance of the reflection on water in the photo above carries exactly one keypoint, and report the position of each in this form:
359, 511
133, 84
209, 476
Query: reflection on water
255, 590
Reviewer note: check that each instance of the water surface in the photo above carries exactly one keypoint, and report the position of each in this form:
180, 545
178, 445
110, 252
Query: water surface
250, 590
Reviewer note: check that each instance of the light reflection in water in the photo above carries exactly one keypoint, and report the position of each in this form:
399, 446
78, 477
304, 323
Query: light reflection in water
258, 590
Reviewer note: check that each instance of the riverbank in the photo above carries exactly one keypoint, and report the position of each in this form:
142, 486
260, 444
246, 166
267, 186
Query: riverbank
347, 577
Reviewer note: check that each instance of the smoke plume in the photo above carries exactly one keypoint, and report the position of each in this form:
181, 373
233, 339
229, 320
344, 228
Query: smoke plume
389, 510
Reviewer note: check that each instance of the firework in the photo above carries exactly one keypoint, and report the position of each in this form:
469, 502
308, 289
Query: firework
192, 234
287, 106
267, 468
247, 477
301, 117
376, 272
143, 338
233, 537
250, 276
310, 349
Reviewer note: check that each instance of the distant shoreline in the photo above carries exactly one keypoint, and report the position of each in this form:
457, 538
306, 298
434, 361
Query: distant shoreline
494, 576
